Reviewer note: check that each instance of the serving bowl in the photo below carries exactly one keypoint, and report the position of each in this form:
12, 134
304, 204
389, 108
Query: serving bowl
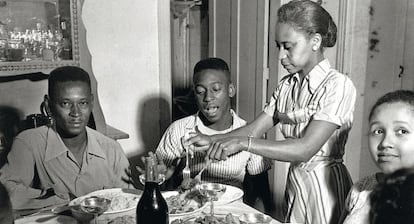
123, 203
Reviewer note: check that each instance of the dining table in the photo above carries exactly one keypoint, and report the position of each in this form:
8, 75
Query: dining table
236, 208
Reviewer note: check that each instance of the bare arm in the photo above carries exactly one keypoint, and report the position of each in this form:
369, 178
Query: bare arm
256, 128
300, 149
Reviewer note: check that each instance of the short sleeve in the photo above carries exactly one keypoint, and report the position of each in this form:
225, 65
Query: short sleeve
357, 207
351, 199
337, 101
270, 108
258, 164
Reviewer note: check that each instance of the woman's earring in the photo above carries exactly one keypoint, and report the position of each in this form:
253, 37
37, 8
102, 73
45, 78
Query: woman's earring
51, 121
314, 48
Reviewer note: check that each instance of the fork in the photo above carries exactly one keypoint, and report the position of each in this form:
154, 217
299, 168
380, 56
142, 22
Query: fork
198, 176
186, 170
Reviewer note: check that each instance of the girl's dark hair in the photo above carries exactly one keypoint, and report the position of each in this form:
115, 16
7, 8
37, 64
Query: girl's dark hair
392, 201
403, 96
309, 17
66, 74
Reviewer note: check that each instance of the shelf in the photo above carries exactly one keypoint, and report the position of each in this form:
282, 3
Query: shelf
115, 133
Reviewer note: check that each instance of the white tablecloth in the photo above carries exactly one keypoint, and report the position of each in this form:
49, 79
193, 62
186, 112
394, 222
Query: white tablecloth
237, 208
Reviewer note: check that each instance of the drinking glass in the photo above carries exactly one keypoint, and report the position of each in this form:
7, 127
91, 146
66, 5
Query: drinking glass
95, 206
212, 191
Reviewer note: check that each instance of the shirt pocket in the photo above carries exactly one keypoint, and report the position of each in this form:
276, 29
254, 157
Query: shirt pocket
301, 115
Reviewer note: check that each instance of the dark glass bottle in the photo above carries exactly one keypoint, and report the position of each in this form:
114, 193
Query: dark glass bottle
152, 207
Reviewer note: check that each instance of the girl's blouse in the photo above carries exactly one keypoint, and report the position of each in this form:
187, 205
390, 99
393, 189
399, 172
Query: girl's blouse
325, 94
357, 204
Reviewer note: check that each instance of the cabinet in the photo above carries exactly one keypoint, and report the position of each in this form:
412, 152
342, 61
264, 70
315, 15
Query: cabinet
37, 36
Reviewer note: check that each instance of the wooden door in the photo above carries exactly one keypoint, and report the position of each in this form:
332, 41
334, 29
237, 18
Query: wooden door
237, 34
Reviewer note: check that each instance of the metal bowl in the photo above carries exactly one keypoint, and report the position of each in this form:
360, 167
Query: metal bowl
84, 212
251, 218
95, 205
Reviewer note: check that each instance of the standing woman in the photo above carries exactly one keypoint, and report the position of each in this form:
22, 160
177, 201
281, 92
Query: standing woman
314, 105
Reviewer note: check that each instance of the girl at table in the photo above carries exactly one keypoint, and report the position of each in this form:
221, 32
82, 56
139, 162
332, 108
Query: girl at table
314, 105
392, 200
391, 143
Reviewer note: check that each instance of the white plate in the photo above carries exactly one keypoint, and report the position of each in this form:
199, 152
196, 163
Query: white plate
232, 194
167, 194
121, 199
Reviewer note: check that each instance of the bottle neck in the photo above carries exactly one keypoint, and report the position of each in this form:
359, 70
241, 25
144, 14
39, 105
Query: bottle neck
151, 171
151, 186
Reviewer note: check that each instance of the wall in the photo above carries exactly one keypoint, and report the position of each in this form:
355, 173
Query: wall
23, 92
122, 37
390, 59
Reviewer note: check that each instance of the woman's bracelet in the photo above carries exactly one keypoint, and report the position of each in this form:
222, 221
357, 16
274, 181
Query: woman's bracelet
249, 142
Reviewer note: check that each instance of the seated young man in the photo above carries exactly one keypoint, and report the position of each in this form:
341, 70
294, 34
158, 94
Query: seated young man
50, 165
213, 90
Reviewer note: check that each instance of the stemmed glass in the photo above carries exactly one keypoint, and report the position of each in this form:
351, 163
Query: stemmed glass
212, 191
95, 206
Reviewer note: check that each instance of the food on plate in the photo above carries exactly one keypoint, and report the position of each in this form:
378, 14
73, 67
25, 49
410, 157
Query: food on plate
228, 219
184, 202
122, 201
189, 184
208, 219
126, 219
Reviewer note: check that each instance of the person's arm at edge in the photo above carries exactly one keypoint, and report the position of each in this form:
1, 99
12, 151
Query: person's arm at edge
18, 174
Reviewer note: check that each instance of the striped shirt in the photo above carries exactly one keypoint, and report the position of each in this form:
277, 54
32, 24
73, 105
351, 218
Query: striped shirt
328, 96
230, 171
316, 189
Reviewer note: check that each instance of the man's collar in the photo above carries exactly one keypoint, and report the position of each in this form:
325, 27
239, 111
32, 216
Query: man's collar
55, 146
94, 147
198, 122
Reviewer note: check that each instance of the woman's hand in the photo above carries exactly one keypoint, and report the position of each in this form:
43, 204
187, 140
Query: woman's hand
198, 141
223, 148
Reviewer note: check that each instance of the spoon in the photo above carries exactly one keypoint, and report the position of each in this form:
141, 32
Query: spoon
57, 210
